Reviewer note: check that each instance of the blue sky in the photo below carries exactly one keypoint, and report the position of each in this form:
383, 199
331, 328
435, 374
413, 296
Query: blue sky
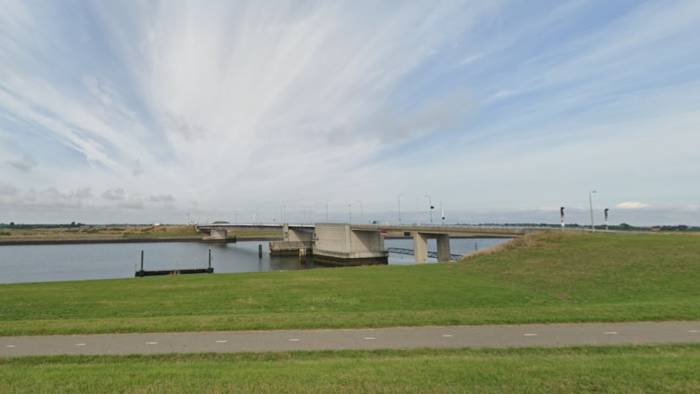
502, 110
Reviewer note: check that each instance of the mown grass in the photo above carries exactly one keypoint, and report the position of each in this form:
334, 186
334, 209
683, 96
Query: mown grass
549, 277
610, 369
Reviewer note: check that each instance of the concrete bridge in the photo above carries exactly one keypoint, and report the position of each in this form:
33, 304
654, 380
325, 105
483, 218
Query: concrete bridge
359, 244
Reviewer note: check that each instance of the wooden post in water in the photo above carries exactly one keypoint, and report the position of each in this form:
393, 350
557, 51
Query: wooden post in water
260, 253
210, 258
141, 260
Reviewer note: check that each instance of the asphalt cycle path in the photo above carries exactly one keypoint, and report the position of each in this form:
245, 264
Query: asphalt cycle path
483, 336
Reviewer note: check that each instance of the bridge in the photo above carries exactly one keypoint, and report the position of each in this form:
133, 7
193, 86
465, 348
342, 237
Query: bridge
359, 244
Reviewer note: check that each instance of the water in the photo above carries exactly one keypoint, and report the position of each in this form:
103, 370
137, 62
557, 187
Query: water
41, 263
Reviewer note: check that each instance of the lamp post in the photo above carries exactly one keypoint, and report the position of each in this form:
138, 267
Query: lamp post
430, 207
605, 212
398, 199
561, 216
590, 204
349, 213
442, 213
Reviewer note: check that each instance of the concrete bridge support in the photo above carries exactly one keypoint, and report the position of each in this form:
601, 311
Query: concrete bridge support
217, 234
294, 240
339, 244
420, 247
443, 248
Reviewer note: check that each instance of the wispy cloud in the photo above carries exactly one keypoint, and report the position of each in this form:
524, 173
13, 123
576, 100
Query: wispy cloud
252, 105
25, 164
632, 205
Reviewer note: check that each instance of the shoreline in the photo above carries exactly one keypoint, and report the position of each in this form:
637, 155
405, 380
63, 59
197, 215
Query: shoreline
26, 242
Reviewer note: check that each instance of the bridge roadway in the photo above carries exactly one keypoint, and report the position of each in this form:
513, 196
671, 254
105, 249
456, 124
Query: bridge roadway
452, 230
359, 244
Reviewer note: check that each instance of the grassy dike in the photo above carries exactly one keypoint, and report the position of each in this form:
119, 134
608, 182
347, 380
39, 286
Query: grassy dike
547, 277
573, 370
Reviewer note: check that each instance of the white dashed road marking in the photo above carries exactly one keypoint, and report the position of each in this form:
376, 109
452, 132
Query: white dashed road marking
79, 344
447, 335
221, 341
611, 332
370, 338
9, 346
530, 334
693, 331
294, 339
151, 343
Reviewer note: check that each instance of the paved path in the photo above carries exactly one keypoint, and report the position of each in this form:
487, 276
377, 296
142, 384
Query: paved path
543, 335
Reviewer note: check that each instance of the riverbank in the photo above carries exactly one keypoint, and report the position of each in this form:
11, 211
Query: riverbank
546, 277
87, 234
590, 369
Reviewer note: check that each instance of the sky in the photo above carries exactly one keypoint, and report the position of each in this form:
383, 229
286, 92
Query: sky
497, 111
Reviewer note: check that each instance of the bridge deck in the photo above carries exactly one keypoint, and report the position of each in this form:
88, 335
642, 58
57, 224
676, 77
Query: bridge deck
422, 228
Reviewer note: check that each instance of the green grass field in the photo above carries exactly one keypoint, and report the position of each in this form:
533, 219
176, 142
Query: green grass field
549, 277
610, 369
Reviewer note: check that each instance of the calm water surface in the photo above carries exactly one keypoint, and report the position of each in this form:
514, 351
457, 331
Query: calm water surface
40, 263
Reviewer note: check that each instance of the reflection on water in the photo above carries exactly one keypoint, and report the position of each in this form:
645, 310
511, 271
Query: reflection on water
39, 263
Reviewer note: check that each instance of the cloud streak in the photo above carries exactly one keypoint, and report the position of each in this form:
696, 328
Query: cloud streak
251, 105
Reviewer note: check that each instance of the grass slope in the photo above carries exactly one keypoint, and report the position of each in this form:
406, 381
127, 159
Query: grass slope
611, 369
549, 277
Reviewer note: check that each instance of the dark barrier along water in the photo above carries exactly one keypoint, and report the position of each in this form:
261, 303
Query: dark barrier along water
177, 271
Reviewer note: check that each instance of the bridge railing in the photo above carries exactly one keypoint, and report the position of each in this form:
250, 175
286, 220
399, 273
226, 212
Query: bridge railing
411, 252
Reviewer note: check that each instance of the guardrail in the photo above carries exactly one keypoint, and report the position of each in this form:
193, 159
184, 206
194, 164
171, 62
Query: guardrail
412, 253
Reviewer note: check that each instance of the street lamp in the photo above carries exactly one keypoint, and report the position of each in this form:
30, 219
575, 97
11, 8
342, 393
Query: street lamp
590, 204
398, 198
605, 212
561, 216
430, 207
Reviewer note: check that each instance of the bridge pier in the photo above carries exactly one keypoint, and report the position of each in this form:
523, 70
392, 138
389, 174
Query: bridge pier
420, 247
217, 234
443, 248
340, 244
294, 240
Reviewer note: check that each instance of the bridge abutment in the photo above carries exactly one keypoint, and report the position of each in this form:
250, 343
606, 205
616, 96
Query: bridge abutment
294, 240
339, 244
216, 234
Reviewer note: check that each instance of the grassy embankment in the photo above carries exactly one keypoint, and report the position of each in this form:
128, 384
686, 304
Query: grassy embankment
117, 233
541, 278
610, 369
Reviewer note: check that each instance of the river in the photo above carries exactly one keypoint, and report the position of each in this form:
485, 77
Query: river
43, 263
